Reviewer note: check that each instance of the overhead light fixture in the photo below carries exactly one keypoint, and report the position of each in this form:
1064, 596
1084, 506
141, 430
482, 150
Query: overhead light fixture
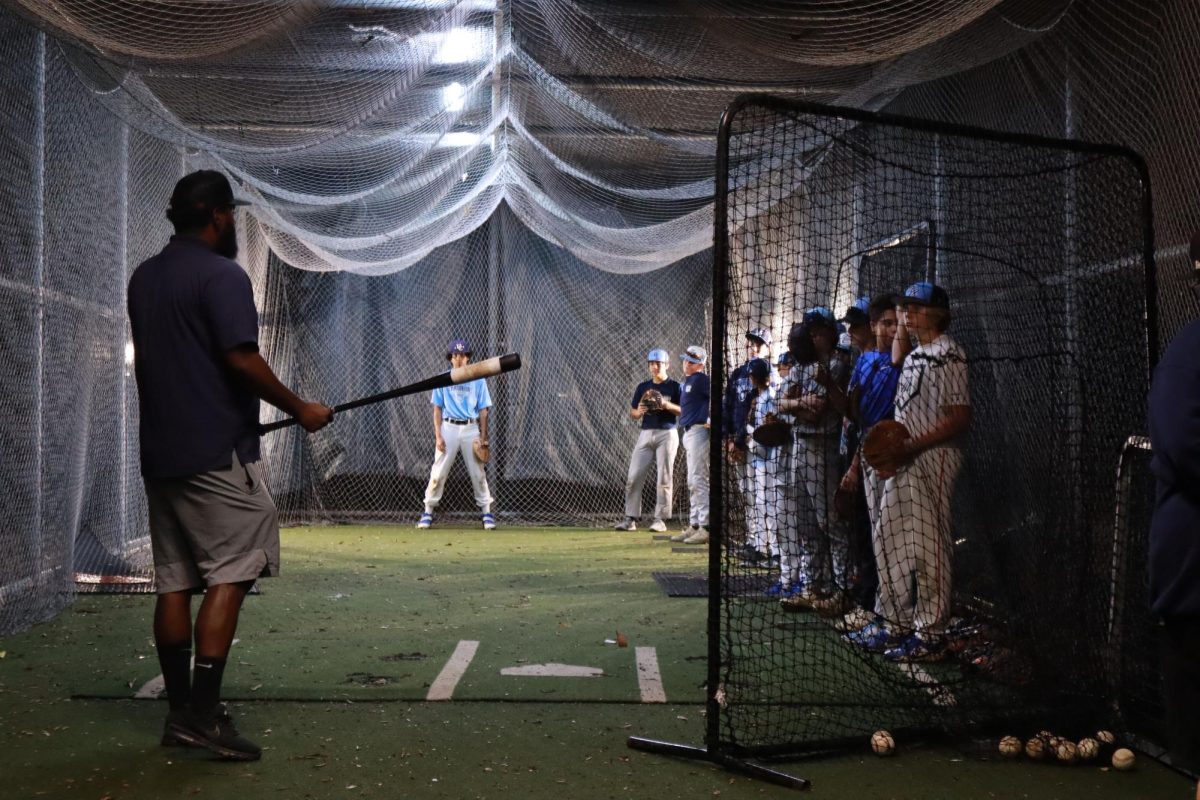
459, 139
454, 97
461, 45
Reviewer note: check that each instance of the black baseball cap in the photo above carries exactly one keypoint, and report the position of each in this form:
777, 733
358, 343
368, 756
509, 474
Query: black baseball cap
204, 189
856, 313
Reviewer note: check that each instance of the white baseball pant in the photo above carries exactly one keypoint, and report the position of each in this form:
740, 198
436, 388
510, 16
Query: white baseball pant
764, 511
914, 547
696, 444
658, 447
458, 439
824, 541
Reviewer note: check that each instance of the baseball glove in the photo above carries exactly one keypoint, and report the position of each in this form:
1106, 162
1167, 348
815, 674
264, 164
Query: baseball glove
882, 446
482, 451
773, 433
652, 399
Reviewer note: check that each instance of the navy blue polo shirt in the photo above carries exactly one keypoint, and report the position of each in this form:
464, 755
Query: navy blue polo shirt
1174, 411
189, 306
694, 408
737, 403
657, 420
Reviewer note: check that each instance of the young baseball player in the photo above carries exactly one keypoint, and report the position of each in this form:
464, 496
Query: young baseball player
734, 406
460, 417
822, 565
657, 442
693, 420
914, 532
762, 463
872, 394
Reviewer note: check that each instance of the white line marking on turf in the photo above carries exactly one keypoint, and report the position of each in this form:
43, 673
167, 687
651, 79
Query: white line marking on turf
443, 686
553, 670
153, 688
649, 678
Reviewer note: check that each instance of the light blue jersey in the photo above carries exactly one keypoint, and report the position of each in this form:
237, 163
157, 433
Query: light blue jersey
463, 400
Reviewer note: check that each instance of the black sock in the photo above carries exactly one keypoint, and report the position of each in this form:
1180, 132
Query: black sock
176, 664
206, 683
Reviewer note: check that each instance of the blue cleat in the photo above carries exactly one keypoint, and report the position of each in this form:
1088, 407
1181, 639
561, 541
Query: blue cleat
914, 648
489, 522
874, 637
425, 521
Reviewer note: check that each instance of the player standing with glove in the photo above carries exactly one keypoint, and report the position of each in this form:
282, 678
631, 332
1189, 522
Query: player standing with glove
460, 424
656, 405
932, 403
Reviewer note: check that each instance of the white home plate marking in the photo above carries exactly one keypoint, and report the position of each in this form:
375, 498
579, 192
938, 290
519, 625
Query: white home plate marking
443, 686
649, 678
553, 671
154, 688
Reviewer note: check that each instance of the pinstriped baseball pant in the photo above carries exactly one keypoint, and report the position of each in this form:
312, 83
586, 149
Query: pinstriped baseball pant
913, 541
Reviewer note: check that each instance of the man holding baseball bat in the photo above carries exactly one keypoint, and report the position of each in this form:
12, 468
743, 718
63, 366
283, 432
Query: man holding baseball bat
212, 521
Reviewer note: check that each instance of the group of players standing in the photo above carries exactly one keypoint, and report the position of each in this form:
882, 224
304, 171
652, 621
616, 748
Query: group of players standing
886, 572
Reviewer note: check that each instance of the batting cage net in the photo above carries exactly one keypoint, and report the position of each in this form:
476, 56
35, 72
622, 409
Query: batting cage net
955, 574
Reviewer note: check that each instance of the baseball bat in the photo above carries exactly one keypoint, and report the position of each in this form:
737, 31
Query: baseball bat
480, 369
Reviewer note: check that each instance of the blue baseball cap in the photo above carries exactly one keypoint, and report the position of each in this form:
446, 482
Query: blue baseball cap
762, 334
695, 354
858, 312
760, 369
925, 293
820, 315
658, 354
458, 347
784, 358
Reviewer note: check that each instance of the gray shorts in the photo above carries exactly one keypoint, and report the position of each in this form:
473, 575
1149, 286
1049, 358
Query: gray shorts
212, 528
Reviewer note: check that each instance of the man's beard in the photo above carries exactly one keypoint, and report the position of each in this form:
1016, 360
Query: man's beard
227, 244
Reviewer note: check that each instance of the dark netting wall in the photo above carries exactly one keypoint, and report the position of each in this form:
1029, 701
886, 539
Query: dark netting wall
998, 554
561, 433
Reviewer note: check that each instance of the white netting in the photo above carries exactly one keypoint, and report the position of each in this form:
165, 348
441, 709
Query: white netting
371, 133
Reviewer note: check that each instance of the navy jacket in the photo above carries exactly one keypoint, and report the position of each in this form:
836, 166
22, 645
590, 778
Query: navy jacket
1174, 410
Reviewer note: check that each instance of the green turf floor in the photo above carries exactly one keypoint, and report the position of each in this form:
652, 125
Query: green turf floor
335, 658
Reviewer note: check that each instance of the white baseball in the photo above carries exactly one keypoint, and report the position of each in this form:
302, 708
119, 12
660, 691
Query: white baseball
1123, 759
1010, 747
1089, 748
882, 743
1105, 737
1067, 752
1035, 748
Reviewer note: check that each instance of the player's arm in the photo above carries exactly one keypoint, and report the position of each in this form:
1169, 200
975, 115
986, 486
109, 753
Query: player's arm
809, 407
850, 479
437, 429
248, 364
901, 344
834, 389
638, 408
672, 406
953, 422
483, 426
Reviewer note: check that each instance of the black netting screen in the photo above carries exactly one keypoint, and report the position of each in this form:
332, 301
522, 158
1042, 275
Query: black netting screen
969, 581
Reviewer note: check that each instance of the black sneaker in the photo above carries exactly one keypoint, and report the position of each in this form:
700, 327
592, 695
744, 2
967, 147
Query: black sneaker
214, 730
169, 739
